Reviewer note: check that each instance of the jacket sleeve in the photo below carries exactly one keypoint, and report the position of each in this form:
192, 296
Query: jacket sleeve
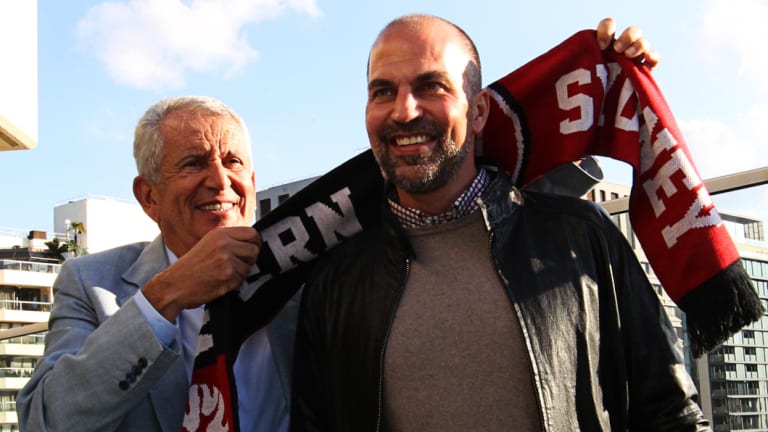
308, 412
92, 373
662, 396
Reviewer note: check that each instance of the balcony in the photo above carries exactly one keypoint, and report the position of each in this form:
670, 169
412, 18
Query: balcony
26, 266
28, 274
8, 414
23, 305
20, 311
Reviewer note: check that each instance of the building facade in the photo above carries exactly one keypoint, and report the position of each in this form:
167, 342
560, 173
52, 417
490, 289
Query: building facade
732, 379
108, 222
274, 196
737, 372
27, 272
28, 268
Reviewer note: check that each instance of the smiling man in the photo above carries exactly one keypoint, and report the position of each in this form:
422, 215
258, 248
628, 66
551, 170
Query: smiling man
475, 305
125, 322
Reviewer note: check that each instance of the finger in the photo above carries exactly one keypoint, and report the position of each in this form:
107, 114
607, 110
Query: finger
242, 233
637, 48
247, 253
606, 28
627, 38
651, 58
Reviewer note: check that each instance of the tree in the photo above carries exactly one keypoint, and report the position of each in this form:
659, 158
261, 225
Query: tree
78, 228
56, 246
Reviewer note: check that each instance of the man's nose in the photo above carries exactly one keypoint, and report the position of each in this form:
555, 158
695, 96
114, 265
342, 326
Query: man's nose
406, 108
218, 176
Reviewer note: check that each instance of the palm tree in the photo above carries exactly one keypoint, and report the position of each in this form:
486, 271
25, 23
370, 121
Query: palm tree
78, 228
56, 247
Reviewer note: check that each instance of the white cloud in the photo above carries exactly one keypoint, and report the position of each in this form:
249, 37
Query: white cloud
152, 44
730, 40
738, 26
720, 148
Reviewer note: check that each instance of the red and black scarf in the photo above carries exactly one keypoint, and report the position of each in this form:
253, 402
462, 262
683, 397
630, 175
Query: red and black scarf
573, 101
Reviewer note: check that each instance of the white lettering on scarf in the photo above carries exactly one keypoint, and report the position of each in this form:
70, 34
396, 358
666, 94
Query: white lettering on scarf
205, 400
676, 179
662, 186
585, 104
287, 239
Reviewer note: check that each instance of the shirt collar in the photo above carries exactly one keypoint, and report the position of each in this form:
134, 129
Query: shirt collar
465, 204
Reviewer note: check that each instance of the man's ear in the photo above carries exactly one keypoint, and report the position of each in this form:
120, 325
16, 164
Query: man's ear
145, 195
481, 105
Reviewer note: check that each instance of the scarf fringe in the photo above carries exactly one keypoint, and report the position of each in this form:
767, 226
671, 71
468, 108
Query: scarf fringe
720, 307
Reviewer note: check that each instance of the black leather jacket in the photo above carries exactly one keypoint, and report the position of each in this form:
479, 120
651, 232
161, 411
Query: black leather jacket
600, 344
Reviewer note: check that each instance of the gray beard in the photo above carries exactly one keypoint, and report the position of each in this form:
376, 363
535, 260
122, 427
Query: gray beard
434, 171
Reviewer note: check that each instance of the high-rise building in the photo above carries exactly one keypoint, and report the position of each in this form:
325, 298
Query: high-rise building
735, 375
732, 379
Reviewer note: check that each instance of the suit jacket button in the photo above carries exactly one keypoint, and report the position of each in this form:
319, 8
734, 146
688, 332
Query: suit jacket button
143, 362
123, 385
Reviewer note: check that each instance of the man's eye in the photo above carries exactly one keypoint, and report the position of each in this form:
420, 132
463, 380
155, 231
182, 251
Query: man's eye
191, 165
235, 162
381, 93
431, 86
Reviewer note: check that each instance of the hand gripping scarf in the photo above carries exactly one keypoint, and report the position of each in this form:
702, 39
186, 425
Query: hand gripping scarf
574, 100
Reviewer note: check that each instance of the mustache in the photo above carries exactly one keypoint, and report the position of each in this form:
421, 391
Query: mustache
421, 125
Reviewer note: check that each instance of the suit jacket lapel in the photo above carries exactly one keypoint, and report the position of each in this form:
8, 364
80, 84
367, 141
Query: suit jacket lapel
152, 260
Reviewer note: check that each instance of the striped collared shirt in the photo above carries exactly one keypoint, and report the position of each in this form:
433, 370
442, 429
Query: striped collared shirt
465, 204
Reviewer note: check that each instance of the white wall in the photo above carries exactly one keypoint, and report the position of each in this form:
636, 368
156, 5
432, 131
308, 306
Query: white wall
109, 222
18, 73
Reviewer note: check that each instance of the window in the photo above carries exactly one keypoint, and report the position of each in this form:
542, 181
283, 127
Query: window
281, 198
265, 206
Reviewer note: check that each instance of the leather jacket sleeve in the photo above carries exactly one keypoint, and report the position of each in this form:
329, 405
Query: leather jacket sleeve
662, 396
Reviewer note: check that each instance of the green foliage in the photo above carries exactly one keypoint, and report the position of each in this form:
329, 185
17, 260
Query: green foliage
56, 246
71, 246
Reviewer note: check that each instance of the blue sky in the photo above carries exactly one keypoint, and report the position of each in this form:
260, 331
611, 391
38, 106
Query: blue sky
295, 71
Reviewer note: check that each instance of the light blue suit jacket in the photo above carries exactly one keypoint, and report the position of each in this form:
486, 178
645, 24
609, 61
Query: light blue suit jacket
103, 368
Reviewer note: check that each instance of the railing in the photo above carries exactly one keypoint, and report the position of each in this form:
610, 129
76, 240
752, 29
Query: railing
24, 305
18, 372
7, 264
32, 339
8, 406
715, 185
25, 330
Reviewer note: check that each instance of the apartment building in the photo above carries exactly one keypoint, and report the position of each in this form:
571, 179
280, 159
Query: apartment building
28, 269
27, 272
735, 376
732, 379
